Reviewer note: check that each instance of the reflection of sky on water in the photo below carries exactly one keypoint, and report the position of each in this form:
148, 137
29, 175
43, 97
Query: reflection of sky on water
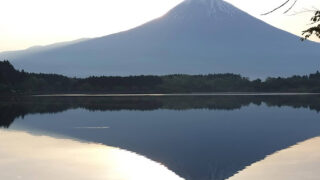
301, 161
25, 156
198, 138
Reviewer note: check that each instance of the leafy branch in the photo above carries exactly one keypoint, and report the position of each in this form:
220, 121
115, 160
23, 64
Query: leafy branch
315, 30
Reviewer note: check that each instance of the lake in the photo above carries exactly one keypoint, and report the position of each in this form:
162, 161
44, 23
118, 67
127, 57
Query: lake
192, 137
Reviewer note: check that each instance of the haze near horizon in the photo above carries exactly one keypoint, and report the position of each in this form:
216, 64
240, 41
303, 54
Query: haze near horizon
38, 23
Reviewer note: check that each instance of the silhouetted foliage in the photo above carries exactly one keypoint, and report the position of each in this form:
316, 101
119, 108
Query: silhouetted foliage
314, 30
20, 106
20, 82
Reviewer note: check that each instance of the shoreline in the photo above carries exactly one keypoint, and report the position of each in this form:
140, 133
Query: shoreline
178, 94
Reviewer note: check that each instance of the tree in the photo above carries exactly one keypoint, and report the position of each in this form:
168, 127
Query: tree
314, 30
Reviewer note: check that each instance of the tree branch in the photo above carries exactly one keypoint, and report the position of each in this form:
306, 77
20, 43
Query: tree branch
313, 30
295, 2
276, 8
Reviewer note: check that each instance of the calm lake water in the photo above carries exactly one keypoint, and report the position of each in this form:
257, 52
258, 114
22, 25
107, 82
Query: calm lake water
161, 137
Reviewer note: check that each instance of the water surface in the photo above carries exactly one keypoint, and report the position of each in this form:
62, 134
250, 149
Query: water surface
192, 137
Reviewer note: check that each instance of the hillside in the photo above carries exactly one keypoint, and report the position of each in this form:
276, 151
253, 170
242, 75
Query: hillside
196, 37
13, 81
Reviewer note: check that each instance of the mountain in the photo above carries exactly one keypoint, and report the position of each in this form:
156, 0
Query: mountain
37, 49
196, 37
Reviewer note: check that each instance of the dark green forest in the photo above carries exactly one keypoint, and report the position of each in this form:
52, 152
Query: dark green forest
12, 107
13, 81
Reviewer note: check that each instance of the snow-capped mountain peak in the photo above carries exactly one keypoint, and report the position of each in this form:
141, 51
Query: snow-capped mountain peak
209, 8
196, 37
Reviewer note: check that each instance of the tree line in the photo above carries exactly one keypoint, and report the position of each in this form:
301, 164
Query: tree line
13, 81
12, 107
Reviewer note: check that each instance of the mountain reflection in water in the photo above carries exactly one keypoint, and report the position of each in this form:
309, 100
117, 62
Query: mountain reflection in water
26, 156
301, 161
198, 138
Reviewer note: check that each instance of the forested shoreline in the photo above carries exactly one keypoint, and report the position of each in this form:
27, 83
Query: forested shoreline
12, 107
13, 81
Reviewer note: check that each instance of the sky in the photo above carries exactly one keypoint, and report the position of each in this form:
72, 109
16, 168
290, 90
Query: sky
41, 22
295, 21
25, 23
